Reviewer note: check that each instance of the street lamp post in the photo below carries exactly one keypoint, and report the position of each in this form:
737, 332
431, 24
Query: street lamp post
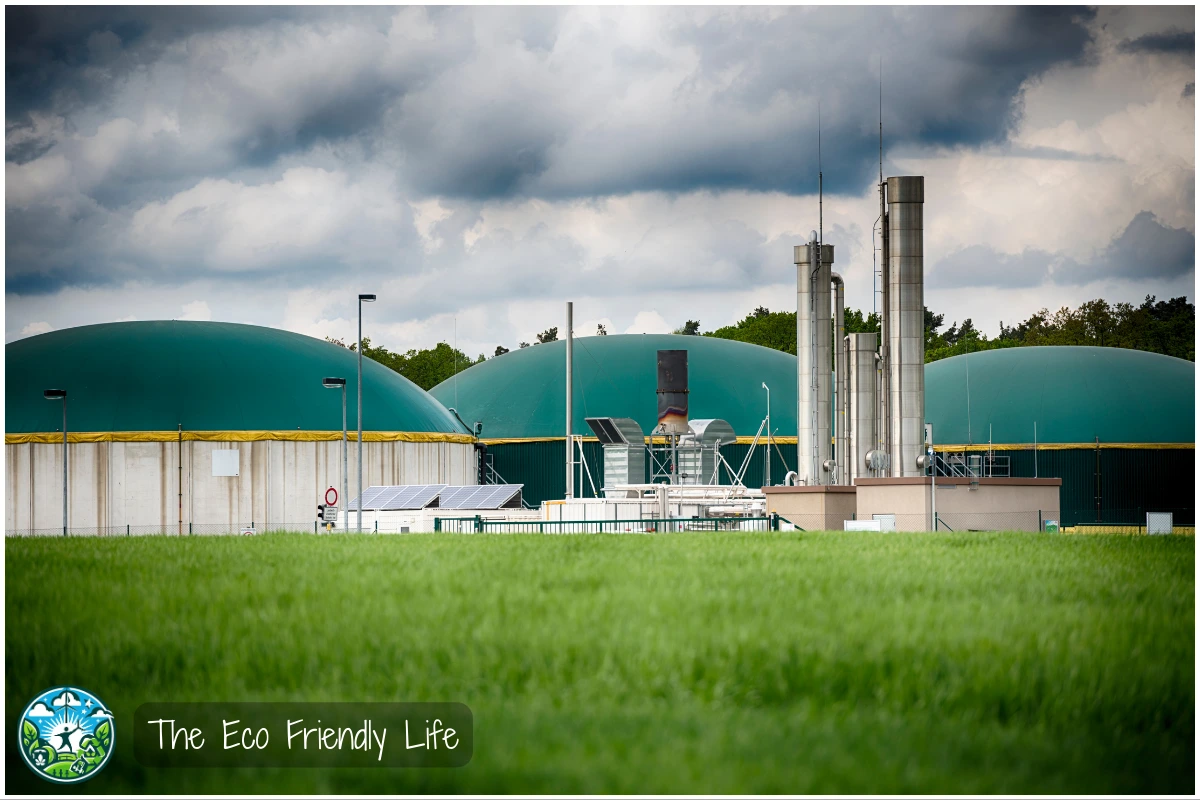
340, 383
61, 394
768, 388
362, 298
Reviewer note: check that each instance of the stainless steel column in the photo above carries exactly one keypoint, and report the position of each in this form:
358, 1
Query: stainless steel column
883, 430
814, 384
864, 404
906, 322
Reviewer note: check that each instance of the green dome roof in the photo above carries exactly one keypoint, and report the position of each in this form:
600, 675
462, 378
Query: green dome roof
1074, 393
207, 376
522, 394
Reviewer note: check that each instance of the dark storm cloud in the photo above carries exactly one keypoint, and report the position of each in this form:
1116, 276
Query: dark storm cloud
1170, 41
1145, 250
746, 115
492, 111
982, 265
1149, 249
48, 49
481, 104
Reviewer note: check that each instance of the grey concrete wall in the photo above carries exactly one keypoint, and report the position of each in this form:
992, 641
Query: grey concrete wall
990, 504
812, 507
112, 484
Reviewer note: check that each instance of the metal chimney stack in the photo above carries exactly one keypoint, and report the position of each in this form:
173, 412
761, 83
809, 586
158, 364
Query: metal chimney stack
672, 392
906, 323
813, 353
864, 403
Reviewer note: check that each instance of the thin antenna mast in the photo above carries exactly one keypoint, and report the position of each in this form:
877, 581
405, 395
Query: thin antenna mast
874, 268
820, 185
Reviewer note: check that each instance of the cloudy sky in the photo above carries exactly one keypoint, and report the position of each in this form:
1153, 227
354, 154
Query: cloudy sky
476, 167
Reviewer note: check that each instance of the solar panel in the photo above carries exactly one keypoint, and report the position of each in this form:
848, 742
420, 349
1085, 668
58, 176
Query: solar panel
418, 496
390, 499
370, 497
386, 496
398, 498
479, 497
413, 497
458, 497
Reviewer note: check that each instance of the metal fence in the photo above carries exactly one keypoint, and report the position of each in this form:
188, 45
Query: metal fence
680, 525
474, 524
191, 529
951, 521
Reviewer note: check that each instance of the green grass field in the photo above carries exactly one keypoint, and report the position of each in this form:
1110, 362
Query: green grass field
726, 663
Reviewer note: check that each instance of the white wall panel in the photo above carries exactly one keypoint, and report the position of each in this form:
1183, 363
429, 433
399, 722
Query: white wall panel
113, 484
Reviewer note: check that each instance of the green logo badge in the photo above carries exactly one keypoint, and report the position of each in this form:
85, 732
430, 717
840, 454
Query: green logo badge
66, 735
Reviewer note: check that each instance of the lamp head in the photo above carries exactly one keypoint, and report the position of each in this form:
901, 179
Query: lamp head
55, 394
333, 383
366, 298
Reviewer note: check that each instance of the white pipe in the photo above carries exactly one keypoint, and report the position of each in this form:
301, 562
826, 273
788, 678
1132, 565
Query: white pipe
932, 479
840, 417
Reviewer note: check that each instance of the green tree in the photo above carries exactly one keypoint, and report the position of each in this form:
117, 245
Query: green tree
774, 329
425, 368
689, 328
856, 322
932, 323
548, 335
500, 350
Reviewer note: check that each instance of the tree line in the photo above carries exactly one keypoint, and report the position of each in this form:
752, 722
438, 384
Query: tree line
428, 368
1156, 326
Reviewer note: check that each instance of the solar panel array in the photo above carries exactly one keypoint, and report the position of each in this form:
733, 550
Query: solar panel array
479, 497
408, 498
398, 498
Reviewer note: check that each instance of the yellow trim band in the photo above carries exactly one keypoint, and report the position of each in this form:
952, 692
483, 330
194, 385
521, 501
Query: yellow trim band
656, 439
941, 448
236, 436
983, 448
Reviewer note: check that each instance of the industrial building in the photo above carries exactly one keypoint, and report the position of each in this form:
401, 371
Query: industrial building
1138, 405
520, 397
212, 426
1117, 426
206, 426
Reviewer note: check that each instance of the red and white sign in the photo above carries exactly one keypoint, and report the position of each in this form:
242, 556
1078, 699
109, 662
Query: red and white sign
332, 502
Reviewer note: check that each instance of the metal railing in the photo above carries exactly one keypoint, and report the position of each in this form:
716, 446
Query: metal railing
678, 525
192, 529
964, 464
492, 477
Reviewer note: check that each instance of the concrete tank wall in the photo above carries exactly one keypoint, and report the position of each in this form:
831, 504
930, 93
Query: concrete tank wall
113, 484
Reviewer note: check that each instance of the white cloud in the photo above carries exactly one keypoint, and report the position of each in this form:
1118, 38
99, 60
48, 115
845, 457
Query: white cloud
34, 328
197, 311
649, 322
308, 214
277, 169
